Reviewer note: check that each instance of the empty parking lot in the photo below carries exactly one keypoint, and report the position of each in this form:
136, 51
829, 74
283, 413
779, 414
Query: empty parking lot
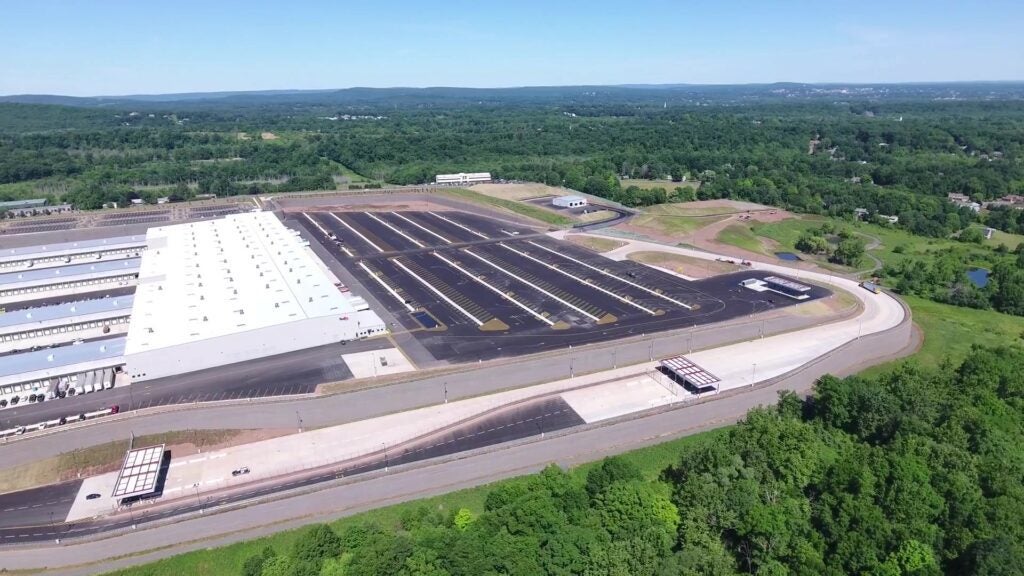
472, 288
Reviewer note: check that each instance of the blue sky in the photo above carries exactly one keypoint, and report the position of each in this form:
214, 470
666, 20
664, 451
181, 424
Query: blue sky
109, 47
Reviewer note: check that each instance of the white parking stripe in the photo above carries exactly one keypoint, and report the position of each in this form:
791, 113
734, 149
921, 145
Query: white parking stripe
495, 290
396, 230
356, 232
467, 229
531, 284
386, 287
438, 292
606, 273
424, 228
580, 280
325, 232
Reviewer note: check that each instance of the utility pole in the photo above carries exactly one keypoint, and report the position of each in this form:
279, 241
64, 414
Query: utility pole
299, 420
384, 444
445, 392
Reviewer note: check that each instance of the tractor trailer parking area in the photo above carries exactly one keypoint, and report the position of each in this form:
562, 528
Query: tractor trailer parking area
473, 288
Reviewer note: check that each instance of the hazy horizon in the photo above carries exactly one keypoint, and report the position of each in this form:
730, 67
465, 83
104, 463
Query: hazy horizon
124, 48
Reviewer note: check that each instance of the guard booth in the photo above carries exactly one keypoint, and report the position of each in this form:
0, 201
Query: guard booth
690, 375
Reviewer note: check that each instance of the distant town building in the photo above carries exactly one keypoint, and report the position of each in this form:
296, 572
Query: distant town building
36, 203
463, 179
163, 200
890, 219
137, 201
989, 232
569, 201
16, 208
860, 213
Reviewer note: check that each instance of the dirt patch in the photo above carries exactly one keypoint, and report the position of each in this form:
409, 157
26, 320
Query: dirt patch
685, 265
594, 243
268, 136
518, 191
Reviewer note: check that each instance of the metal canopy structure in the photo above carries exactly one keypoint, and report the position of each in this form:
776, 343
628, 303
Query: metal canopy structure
787, 284
693, 374
140, 471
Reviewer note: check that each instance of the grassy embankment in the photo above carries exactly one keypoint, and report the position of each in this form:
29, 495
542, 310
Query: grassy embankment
594, 243
521, 208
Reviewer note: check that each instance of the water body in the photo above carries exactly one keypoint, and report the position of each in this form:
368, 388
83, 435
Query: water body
788, 256
978, 277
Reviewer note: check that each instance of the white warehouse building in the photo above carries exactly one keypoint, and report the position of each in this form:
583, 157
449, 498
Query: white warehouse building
230, 290
569, 201
463, 179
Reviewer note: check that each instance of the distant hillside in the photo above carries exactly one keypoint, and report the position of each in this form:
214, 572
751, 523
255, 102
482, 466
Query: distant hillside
667, 94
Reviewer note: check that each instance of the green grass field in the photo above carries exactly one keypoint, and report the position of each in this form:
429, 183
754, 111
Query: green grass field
227, 561
674, 224
523, 209
741, 236
950, 331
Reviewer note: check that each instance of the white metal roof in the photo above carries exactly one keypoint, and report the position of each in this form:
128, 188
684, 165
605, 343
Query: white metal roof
139, 472
70, 272
62, 357
692, 373
209, 279
69, 248
29, 316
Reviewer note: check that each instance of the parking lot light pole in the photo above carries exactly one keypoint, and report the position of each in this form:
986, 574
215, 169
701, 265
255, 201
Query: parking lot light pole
753, 374
445, 392
198, 501
299, 420
384, 444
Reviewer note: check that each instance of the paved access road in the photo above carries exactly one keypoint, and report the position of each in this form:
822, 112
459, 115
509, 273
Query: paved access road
38, 506
293, 373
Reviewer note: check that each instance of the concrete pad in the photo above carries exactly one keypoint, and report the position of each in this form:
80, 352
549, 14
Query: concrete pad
623, 397
105, 504
377, 363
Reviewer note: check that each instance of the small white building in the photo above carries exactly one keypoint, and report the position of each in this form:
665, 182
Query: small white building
463, 179
569, 201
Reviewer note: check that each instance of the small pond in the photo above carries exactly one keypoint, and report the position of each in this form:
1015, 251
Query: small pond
978, 277
787, 256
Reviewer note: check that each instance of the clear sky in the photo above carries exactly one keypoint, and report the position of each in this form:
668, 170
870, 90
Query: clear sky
110, 47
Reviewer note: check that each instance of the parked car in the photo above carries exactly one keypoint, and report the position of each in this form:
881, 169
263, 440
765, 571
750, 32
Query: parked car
115, 408
92, 496
240, 471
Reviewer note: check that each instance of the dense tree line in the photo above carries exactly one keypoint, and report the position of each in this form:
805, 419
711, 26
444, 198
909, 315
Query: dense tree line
917, 472
900, 160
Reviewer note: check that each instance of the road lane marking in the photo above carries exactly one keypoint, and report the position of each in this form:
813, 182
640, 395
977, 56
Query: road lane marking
438, 292
424, 228
396, 230
536, 315
356, 232
386, 287
531, 284
466, 228
580, 280
606, 273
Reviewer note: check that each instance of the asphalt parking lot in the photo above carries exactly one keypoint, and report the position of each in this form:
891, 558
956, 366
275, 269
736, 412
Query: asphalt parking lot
470, 288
